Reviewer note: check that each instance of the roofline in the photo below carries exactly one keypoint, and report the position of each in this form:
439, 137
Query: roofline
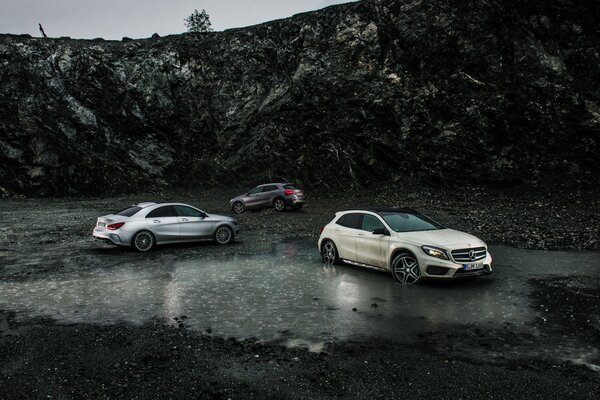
382, 209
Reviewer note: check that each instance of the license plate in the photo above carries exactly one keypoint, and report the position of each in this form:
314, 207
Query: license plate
470, 267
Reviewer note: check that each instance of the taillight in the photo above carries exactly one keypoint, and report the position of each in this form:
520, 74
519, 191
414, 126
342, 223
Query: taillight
288, 192
321, 229
115, 226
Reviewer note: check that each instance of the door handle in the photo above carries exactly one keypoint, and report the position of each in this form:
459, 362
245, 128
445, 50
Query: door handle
156, 221
184, 219
361, 234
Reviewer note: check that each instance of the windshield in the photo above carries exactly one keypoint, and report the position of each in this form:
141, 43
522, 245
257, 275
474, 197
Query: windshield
409, 222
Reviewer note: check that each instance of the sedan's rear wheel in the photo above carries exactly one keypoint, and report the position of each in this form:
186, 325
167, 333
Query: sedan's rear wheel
143, 241
238, 207
279, 205
223, 234
329, 253
405, 269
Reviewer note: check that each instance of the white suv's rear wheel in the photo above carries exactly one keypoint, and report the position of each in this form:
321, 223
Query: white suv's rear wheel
405, 269
329, 253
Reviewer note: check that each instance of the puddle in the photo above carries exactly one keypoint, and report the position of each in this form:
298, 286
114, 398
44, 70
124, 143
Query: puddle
288, 295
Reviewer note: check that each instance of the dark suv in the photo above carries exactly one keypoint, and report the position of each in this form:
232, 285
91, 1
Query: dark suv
276, 195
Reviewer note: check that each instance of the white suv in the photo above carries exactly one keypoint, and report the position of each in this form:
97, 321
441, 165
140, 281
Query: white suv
410, 245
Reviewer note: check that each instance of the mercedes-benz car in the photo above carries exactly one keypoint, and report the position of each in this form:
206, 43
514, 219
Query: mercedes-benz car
271, 195
404, 242
145, 225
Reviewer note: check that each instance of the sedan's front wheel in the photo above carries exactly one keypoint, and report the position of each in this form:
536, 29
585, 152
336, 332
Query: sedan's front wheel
405, 269
143, 241
223, 235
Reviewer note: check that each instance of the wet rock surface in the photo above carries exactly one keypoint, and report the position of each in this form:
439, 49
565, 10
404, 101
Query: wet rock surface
354, 95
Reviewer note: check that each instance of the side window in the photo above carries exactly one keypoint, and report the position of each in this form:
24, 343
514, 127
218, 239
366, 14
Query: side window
341, 221
184, 211
166, 211
257, 189
269, 188
371, 222
353, 221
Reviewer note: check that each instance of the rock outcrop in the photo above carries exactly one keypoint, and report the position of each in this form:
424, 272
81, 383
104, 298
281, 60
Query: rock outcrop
352, 95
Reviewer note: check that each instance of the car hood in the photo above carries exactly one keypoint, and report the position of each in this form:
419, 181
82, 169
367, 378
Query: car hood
448, 238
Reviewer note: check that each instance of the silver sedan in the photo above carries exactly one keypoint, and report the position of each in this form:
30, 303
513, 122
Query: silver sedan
144, 225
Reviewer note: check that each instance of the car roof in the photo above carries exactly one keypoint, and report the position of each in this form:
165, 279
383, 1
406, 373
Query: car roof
145, 204
276, 183
379, 210
161, 203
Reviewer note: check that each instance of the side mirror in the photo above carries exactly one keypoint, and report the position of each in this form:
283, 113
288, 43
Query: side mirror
204, 215
380, 231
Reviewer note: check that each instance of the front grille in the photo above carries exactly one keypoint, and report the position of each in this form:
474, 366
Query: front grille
464, 255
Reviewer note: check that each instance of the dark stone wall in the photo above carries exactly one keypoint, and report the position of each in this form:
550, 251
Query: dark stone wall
438, 91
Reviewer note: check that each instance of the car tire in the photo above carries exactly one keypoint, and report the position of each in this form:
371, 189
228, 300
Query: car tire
329, 253
405, 269
238, 207
143, 241
223, 234
279, 204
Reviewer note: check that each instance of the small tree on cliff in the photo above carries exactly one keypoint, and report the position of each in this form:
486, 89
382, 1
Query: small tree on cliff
198, 21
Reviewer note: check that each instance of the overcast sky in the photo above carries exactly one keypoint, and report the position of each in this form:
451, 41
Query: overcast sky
113, 19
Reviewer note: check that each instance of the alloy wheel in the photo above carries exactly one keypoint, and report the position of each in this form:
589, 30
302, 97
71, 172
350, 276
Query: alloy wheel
223, 235
328, 253
279, 205
238, 207
143, 241
405, 269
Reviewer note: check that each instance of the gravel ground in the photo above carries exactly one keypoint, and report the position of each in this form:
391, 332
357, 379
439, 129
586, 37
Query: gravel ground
43, 358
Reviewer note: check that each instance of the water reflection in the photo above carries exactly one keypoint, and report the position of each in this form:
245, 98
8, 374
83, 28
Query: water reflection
287, 295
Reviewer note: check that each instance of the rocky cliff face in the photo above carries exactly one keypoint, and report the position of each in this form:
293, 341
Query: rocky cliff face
359, 94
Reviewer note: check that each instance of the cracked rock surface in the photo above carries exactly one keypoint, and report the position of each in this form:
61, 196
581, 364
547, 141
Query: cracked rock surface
354, 95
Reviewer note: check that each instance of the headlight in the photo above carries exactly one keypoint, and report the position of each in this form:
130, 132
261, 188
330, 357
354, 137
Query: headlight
435, 252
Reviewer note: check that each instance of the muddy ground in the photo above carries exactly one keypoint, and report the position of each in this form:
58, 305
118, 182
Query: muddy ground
44, 355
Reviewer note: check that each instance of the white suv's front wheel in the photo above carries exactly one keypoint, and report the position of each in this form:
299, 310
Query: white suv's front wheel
405, 269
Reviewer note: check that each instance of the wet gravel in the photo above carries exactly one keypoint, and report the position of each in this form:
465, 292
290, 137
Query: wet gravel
44, 358
156, 361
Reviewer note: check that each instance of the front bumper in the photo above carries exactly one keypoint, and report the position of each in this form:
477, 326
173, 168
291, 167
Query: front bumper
434, 268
